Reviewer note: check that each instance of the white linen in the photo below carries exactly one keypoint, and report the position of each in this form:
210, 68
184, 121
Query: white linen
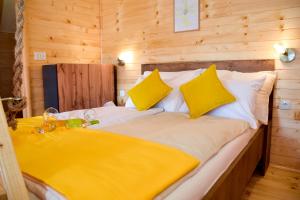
244, 107
262, 98
195, 188
201, 137
174, 100
109, 115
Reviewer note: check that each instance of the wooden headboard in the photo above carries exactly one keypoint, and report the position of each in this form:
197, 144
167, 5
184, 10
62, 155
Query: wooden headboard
231, 65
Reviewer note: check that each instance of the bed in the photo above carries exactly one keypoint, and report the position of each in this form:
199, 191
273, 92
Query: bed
232, 166
256, 154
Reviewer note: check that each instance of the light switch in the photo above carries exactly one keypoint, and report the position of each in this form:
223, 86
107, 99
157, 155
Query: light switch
122, 93
285, 104
40, 56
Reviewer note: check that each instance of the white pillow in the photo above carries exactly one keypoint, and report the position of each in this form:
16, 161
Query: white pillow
262, 98
168, 75
129, 103
174, 100
244, 107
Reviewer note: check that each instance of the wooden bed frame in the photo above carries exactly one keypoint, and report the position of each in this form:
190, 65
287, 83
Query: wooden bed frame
256, 155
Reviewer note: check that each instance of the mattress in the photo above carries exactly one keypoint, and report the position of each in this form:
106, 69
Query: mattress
190, 187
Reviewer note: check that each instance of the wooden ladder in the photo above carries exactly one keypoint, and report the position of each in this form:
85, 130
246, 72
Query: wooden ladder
12, 178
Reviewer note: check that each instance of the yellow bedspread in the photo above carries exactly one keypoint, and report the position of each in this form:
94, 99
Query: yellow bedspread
89, 164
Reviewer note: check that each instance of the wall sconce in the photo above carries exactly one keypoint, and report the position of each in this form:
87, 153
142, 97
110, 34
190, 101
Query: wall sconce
125, 57
285, 54
121, 62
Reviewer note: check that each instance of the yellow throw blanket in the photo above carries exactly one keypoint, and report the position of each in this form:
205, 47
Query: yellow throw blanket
89, 164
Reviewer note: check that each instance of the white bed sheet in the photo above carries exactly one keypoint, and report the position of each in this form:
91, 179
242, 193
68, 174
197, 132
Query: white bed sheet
109, 115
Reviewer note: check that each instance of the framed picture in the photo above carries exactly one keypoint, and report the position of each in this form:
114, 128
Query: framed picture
186, 15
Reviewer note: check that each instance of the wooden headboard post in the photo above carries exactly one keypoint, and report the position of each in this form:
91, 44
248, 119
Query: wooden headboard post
231, 65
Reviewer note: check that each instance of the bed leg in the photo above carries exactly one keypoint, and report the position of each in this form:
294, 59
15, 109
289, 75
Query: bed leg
265, 158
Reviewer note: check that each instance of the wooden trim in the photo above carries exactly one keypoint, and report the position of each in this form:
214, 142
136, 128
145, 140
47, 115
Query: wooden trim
233, 181
256, 155
1, 9
285, 168
27, 112
231, 65
10, 171
265, 160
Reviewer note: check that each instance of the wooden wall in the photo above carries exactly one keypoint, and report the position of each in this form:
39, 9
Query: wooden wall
230, 29
67, 30
7, 44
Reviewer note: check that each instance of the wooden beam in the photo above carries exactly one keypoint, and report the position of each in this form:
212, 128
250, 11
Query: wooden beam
13, 181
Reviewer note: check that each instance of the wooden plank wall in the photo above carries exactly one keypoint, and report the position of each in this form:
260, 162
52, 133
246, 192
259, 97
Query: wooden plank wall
67, 30
7, 45
230, 30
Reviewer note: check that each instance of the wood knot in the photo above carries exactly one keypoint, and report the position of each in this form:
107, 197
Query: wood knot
68, 21
281, 27
199, 42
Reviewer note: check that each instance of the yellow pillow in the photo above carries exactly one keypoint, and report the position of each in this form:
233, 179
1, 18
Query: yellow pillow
149, 92
205, 93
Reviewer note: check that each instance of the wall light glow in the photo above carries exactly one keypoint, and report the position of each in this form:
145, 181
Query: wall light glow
126, 56
280, 48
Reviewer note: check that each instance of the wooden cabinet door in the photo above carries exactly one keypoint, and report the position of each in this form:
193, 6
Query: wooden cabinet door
82, 86
73, 87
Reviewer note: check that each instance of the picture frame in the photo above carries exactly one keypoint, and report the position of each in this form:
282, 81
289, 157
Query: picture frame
186, 15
